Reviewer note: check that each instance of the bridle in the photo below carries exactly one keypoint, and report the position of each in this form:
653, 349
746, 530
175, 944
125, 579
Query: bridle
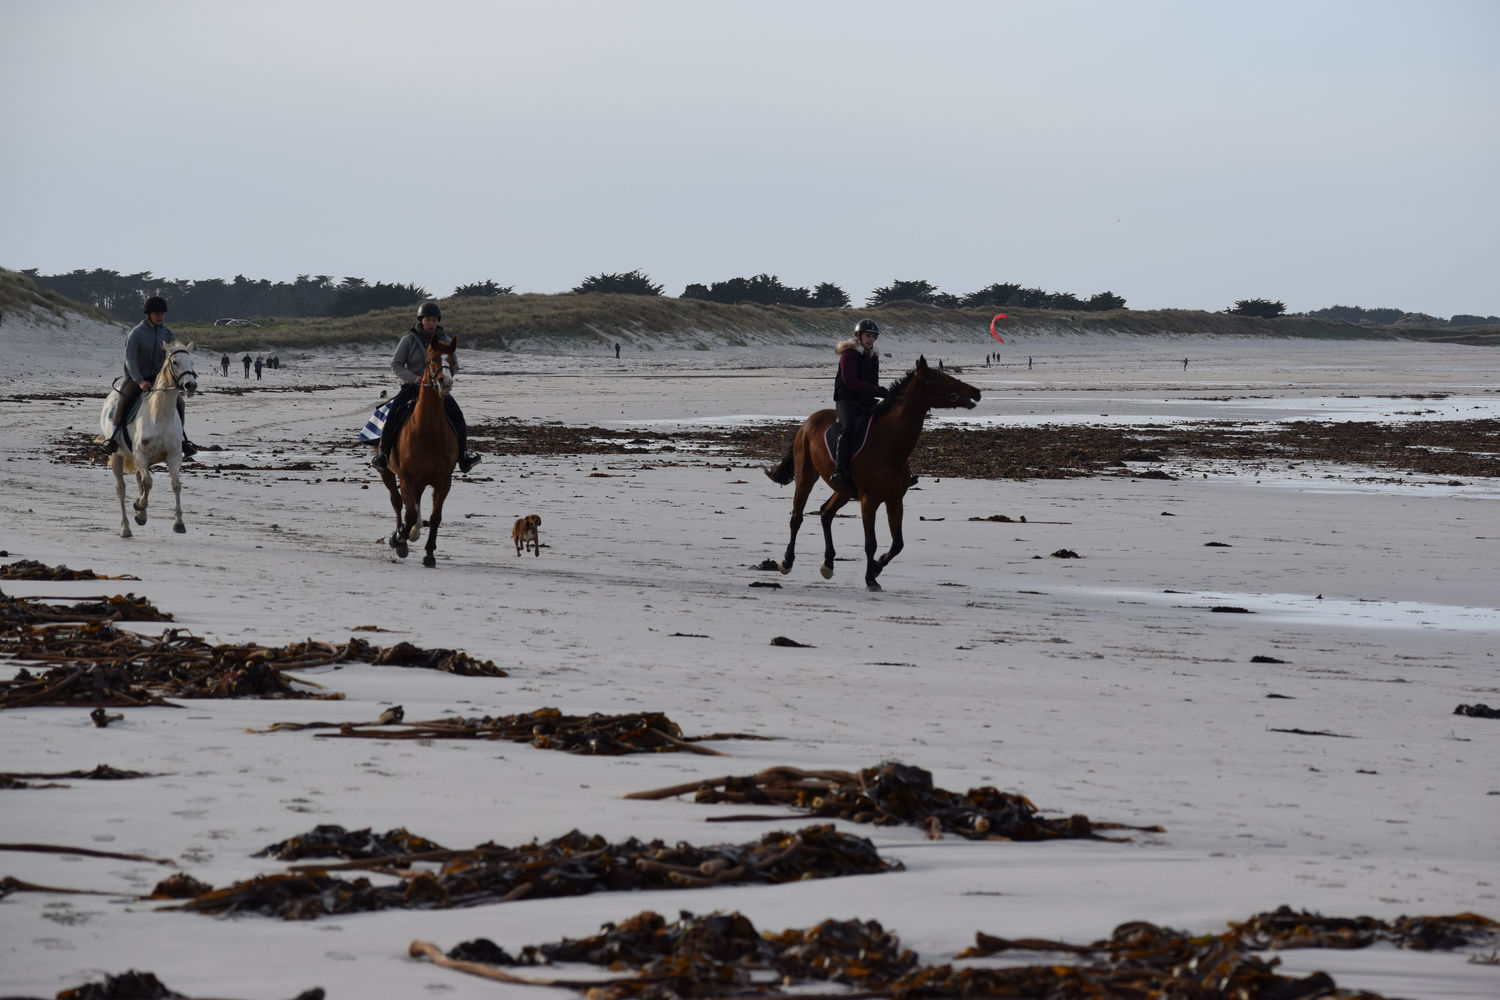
444, 377
177, 374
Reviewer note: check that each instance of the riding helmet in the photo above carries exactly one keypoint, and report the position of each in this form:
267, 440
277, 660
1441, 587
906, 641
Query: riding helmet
156, 304
866, 326
430, 308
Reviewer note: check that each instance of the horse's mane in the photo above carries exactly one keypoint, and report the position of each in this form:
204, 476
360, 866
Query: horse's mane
897, 388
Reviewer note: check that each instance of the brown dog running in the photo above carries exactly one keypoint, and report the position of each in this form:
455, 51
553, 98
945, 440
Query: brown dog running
524, 534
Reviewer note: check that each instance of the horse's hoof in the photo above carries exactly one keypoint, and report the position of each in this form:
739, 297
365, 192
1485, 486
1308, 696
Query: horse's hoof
414, 533
180, 529
827, 571
140, 519
402, 550
784, 567
872, 585
125, 533
429, 561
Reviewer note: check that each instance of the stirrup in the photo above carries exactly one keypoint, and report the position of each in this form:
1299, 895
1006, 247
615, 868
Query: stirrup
379, 460
468, 460
188, 448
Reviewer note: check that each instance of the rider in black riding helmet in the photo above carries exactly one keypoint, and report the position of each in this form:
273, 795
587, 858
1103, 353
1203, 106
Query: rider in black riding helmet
145, 352
409, 364
856, 387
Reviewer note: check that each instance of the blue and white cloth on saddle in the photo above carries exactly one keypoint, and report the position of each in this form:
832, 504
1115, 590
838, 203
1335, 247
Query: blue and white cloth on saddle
376, 423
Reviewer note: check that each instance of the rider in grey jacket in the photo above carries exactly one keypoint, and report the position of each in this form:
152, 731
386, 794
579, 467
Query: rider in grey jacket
145, 353
409, 363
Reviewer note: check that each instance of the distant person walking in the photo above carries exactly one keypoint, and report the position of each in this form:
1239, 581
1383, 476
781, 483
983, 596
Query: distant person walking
1184, 364
246, 359
224, 364
617, 349
259, 364
1028, 361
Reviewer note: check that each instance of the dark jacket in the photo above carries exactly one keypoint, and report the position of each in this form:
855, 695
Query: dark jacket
858, 377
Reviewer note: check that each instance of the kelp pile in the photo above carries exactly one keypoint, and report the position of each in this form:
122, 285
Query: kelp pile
570, 865
18, 612
135, 985
333, 841
30, 569
102, 665
545, 728
104, 772
895, 793
722, 955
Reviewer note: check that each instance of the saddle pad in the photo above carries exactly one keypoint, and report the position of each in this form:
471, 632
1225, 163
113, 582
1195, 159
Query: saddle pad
861, 436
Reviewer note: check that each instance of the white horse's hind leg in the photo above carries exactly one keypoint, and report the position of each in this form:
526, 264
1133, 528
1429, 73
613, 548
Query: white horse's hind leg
116, 463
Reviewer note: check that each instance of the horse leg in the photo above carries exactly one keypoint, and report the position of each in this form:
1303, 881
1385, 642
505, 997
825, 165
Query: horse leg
799, 500
893, 511
397, 540
174, 470
438, 496
116, 465
873, 566
413, 496
143, 483
825, 514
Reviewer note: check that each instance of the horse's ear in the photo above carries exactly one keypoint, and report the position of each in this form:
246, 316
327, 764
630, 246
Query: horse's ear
921, 361
190, 347
454, 341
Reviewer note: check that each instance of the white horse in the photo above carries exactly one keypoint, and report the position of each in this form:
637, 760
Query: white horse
155, 434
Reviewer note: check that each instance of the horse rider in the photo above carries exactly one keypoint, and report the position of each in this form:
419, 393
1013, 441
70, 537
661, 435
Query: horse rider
409, 364
145, 353
856, 387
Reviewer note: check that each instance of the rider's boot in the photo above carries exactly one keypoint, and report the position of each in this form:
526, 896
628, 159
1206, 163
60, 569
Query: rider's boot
113, 444
468, 460
188, 448
379, 460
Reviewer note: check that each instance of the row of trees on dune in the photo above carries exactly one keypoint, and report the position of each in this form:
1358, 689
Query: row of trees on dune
204, 300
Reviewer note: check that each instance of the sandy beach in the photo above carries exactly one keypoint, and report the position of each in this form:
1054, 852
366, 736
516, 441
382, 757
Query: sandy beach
1301, 749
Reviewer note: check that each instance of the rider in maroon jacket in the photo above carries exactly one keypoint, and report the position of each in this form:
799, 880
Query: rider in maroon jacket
856, 387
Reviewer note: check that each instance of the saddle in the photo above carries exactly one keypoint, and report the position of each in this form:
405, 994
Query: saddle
861, 435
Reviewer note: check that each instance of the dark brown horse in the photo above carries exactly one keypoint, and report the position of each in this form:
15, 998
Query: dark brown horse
425, 453
880, 468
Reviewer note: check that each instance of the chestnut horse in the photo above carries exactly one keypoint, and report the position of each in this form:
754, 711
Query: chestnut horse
880, 468
155, 435
424, 454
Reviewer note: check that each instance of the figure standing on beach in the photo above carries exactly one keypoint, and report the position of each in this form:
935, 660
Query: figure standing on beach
856, 387
145, 353
259, 364
224, 364
1028, 361
1184, 364
617, 348
246, 359
409, 364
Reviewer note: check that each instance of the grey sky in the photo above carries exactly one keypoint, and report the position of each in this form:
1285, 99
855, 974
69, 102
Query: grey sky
1181, 154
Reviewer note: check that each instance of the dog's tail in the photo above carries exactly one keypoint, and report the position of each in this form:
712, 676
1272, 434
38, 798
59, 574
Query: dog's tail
782, 472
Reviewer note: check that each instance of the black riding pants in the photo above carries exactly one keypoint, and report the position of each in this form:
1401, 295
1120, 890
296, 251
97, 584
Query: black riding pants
401, 408
851, 418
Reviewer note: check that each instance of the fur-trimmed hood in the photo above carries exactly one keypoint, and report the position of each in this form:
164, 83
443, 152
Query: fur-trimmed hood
852, 344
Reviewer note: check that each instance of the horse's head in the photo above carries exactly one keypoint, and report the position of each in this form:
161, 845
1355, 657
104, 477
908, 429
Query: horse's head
179, 372
938, 389
439, 373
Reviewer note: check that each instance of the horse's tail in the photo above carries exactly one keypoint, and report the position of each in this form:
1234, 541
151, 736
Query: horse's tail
784, 471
